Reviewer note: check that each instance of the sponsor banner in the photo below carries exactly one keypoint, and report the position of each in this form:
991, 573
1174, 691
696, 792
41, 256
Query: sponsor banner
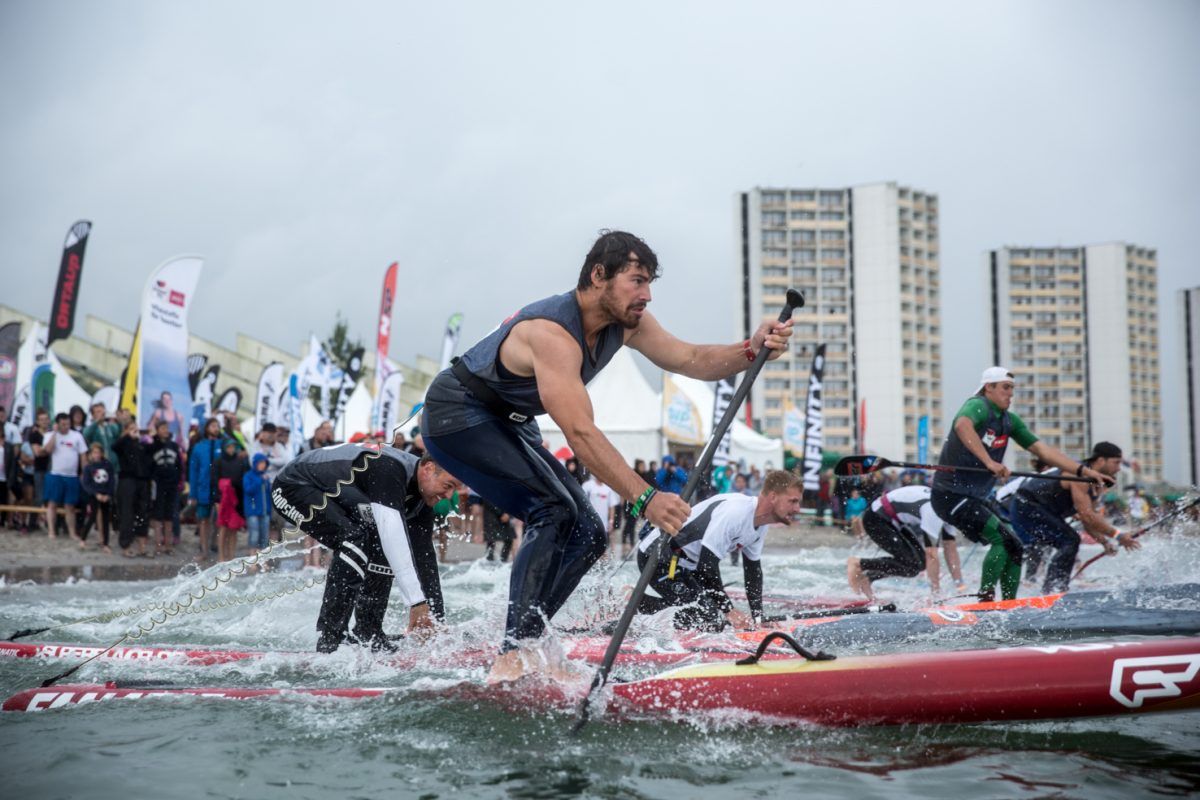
681, 422
450, 341
196, 364
203, 394
384, 334
814, 423
10, 345
129, 378
923, 440
21, 413
722, 396
295, 414
230, 402
66, 291
43, 388
862, 425
266, 407
163, 388
794, 426
350, 376
389, 404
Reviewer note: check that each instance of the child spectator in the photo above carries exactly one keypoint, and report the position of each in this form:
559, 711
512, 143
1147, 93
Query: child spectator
855, 506
230, 469
256, 498
168, 472
99, 481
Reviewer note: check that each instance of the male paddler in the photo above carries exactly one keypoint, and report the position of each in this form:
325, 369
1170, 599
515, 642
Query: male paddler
1041, 508
978, 438
479, 422
690, 574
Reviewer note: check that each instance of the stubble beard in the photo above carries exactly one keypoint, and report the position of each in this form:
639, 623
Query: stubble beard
629, 321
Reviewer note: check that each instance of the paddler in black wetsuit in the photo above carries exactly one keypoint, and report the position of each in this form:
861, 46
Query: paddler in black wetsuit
372, 506
479, 423
723, 524
903, 524
1040, 511
979, 438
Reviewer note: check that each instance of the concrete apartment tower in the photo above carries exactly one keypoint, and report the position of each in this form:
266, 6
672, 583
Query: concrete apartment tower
866, 258
1079, 328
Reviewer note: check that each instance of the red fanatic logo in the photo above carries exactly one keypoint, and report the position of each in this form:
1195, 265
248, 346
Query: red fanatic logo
1152, 676
176, 298
70, 282
991, 440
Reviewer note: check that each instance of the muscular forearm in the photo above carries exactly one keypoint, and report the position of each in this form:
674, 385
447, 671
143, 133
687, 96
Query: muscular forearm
711, 362
970, 439
1054, 457
1096, 525
593, 449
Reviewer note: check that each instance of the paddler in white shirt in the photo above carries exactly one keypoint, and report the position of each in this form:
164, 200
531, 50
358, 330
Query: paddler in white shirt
689, 574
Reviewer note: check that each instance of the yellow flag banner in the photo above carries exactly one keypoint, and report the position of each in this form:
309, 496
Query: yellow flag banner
681, 421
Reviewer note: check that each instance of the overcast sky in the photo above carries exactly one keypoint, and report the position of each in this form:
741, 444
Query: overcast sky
302, 147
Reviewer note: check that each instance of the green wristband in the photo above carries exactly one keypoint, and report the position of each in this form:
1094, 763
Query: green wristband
640, 504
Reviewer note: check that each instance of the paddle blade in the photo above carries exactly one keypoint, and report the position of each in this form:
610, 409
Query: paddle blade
852, 466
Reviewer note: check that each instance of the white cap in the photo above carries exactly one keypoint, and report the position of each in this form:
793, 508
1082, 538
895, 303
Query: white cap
995, 375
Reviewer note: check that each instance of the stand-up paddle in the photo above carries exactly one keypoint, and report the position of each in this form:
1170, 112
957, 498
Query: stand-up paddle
794, 300
857, 466
1144, 529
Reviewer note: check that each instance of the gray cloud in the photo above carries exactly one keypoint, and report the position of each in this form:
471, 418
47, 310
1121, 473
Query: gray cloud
303, 147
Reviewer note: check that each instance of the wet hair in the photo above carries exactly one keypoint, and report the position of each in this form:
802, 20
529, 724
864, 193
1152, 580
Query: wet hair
428, 459
779, 480
612, 251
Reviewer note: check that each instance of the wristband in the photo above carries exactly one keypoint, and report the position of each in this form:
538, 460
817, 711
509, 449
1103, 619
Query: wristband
747, 350
640, 504
1079, 471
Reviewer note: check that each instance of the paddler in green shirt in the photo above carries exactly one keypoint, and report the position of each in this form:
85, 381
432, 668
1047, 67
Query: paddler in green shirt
979, 437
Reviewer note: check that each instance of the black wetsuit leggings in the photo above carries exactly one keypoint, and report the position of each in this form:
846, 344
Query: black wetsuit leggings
563, 536
1040, 527
346, 526
906, 554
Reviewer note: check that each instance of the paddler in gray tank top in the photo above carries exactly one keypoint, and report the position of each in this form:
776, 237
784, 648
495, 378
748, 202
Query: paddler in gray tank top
479, 423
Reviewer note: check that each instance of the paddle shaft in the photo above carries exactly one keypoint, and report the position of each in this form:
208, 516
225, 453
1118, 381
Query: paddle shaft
884, 463
1144, 529
618, 636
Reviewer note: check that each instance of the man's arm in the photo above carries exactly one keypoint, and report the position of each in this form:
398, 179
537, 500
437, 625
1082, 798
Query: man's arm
706, 362
1057, 458
752, 576
965, 428
556, 364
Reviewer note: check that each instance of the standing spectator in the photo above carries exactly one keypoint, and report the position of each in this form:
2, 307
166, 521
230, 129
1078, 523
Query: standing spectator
497, 527
670, 477
233, 431
102, 431
25, 461
98, 481
604, 500
202, 460
256, 498
576, 470
167, 473
416, 444
165, 411
755, 481
267, 445
10, 470
133, 492
41, 461
740, 485
231, 468
855, 506
65, 448
78, 419
322, 437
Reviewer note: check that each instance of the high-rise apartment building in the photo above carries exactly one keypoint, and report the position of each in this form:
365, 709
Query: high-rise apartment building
1079, 328
866, 259
1189, 328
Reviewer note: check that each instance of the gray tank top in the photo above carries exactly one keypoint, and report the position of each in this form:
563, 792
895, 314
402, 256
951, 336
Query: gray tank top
450, 408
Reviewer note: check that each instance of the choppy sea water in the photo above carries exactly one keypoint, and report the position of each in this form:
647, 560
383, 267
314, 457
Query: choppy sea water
424, 742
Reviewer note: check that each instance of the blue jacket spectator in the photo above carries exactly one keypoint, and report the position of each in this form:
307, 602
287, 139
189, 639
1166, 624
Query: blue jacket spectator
201, 458
670, 477
256, 488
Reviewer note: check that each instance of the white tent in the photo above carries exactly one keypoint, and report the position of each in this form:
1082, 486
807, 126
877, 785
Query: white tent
746, 443
626, 410
629, 412
67, 392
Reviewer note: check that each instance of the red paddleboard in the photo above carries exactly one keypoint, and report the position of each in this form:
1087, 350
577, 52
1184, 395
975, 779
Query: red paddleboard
1019, 683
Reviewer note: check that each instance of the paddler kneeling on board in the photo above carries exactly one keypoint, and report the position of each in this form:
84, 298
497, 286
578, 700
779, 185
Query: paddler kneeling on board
1040, 511
371, 505
690, 574
903, 523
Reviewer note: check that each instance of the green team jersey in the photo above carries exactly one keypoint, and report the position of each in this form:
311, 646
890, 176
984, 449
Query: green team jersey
994, 428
